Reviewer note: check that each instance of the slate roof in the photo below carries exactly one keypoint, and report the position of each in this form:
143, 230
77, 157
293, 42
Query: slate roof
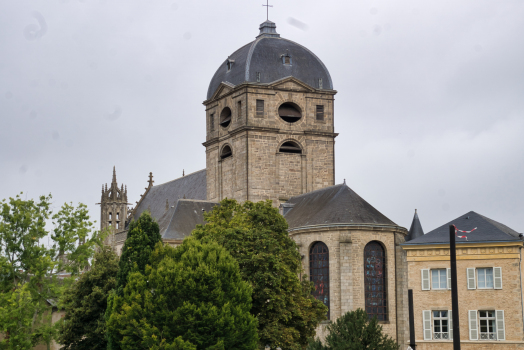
264, 55
191, 186
488, 230
415, 230
337, 204
188, 213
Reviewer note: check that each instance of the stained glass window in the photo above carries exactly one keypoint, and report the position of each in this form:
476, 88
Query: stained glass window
319, 272
375, 281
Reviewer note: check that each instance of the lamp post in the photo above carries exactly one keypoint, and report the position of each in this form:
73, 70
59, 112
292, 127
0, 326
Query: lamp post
454, 288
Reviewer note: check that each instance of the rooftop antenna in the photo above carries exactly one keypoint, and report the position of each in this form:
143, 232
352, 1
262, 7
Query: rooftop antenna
267, 5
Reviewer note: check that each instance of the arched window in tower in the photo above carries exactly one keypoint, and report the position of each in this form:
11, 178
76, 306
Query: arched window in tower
289, 112
226, 152
319, 272
290, 147
225, 117
375, 281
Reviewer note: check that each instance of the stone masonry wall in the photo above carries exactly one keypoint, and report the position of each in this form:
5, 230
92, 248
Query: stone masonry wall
258, 171
346, 265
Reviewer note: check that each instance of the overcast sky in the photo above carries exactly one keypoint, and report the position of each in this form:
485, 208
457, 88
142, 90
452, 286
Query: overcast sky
430, 103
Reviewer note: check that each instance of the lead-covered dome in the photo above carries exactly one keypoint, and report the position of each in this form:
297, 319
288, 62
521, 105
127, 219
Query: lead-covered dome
270, 58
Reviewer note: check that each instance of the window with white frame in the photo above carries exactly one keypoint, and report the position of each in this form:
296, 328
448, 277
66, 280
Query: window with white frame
484, 278
436, 279
439, 279
486, 325
440, 325
437, 324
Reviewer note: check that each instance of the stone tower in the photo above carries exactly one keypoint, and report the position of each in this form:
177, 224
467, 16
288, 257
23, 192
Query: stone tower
270, 130
113, 206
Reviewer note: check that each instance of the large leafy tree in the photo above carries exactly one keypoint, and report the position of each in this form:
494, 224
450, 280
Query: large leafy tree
256, 236
33, 275
355, 331
143, 234
191, 297
86, 302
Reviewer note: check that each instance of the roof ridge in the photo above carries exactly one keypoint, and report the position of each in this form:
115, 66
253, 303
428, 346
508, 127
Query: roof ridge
181, 177
320, 189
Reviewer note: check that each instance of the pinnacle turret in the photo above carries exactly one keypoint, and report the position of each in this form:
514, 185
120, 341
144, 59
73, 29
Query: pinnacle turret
416, 228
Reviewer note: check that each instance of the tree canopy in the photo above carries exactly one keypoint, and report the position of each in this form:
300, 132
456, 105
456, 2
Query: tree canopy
355, 331
33, 275
85, 304
142, 236
256, 236
191, 297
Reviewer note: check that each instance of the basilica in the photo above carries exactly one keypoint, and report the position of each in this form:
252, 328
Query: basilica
270, 134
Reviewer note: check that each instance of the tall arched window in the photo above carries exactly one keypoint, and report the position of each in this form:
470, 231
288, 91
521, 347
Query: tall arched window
375, 281
319, 272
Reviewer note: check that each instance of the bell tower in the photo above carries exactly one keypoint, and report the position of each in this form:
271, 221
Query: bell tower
270, 122
113, 206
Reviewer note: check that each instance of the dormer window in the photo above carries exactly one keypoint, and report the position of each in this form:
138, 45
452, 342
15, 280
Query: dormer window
286, 58
229, 64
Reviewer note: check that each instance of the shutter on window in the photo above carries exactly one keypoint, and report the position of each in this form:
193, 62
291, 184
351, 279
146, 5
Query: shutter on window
450, 324
473, 328
260, 108
501, 333
497, 277
425, 279
426, 321
472, 283
448, 273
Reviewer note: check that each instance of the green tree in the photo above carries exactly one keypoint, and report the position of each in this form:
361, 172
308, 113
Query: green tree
143, 234
33, 275
256, 236
355, 331
191, 297
86, 302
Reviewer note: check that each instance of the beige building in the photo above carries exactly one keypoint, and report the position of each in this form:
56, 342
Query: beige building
489, 275
270, 134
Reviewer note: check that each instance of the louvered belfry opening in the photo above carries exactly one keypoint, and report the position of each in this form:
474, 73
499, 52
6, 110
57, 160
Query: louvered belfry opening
319, 272
225, 117
226, 152
375, 281
289, 112
290, 147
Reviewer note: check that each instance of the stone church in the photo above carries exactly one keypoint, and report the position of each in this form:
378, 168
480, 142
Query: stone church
270, 134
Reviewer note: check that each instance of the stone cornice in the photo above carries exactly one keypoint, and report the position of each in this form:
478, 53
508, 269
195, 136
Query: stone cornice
472, 251
346, 226
269, 130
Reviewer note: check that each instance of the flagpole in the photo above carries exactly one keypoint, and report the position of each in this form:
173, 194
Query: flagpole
454, 288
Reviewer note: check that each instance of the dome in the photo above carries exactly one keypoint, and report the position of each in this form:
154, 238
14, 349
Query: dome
270, 58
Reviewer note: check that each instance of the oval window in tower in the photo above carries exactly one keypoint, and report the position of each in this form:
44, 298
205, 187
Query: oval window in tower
290, 147
225, 117
289, 112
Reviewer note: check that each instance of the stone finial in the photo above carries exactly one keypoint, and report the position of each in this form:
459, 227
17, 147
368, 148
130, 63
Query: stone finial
150, 181
183, 172
114, 175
